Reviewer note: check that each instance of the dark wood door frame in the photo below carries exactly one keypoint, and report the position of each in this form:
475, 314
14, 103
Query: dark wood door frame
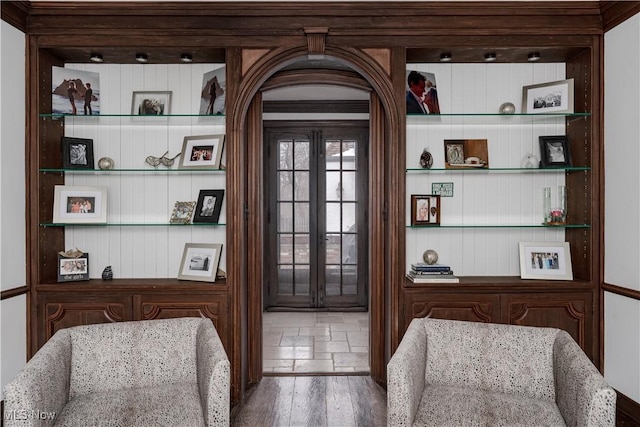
244, 136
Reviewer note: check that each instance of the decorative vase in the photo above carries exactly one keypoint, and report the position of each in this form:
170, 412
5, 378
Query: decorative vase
107, 273
426, 159
106, 163
556, 215
430, 256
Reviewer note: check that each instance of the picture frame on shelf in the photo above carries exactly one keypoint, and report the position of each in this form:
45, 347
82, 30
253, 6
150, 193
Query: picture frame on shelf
208, 206
200, 262
151, 103
545, 261
466, 153
552, 97
425, 209
75, 92
212, 94
555, 151
182, 212
77, 153
73, 269
421, 93
202, 152
79, 204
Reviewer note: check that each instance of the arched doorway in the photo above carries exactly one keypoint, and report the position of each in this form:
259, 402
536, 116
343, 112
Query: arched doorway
245, 231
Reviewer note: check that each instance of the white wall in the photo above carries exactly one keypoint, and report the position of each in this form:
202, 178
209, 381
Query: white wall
622, 204
13, 311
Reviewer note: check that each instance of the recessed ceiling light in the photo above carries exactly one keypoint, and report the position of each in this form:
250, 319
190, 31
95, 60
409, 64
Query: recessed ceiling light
185, 57
490, 57
533, 57
142, 58
96, 57
445, 57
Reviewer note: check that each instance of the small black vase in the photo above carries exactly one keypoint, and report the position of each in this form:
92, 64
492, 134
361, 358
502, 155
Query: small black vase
107, 273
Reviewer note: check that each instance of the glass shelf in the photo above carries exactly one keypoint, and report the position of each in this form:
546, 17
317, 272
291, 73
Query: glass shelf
133, 224
135, 120
97, 116
487, 170
491, 118
147, 170
499, 226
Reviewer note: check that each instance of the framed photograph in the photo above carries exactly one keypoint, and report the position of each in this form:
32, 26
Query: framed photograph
77, 153
72, 269
182, 212
200, 261
75, 91
466, 153
212, 94
421, 93
545, 260
209, 206
150, 103
202, 152
552, 97
554, 151
79, 205
425, 209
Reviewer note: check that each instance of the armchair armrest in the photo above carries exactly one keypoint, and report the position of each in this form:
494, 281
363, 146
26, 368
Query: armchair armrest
582, 394
41, 389
213, 371
406, 376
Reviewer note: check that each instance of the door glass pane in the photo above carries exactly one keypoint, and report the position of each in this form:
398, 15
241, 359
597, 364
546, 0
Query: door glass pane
349, 217
333, 217
302, 278
285, 280
301, 185
348, 155
301, 154
285, 248
285, 217
332, 149
285, 185
285, 154
333, 244
349, 248
349, 186
301, 249
333, 281
301, 217
334, 186
349, 280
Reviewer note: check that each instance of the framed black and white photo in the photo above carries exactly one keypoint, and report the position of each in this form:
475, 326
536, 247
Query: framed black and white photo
208, 206
72, 269
150, 103
202, 151
555, 151
182, 212
79, 205
547, 98
425, 209
77, 153
200, 262
213, 92
545, 261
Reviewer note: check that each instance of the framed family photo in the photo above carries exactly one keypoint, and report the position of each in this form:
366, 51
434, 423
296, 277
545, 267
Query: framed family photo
202, 152
425, 209
182, 212
545, 261
75, 92
208, 206
200, 262
72, 269
545, 98
150, 103
79, 205
554, 151
77, 153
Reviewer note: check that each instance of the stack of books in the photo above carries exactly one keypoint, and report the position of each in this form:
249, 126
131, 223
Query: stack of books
431, 273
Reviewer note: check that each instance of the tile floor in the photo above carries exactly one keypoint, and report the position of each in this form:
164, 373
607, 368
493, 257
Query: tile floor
315, 342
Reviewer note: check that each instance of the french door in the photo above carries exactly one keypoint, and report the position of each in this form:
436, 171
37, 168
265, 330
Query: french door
316, 225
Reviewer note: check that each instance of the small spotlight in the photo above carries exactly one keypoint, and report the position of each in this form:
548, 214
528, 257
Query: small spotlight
445, 57
533, 57
142, 58
185, 57
490, 57
96, 57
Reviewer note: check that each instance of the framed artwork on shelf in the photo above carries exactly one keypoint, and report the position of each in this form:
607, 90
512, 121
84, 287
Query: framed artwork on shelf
208, 206
466, 153
202, 152
545, 98
73, 268
77, 153
75, 91
212, 95
545, 261
200, 262
150, 103
79, 205
182, 212
421, 93
555, 151
425, 209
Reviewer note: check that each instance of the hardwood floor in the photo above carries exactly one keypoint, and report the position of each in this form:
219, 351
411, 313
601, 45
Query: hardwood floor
313, 401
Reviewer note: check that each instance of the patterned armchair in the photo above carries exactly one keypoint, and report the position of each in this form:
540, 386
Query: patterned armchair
454, 373
154, 372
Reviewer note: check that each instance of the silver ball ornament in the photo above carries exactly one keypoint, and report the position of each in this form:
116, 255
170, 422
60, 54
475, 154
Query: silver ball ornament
507, 108
106, 163
430, 256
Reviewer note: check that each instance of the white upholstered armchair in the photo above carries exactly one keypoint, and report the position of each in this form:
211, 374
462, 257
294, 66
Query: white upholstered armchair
454, 373
172, 372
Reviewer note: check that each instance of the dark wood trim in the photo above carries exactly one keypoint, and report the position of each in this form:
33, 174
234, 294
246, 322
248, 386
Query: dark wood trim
628, 407
14, 292
616, 12
620, 290
317, 107
16, 13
